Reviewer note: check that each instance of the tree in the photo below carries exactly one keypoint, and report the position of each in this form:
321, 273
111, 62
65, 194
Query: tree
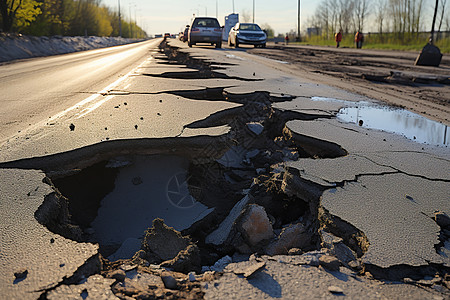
380, 15
21, 12
360, 13
269, 30
245, 16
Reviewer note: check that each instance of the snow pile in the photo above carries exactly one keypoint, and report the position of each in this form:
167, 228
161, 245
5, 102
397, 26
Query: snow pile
20, 46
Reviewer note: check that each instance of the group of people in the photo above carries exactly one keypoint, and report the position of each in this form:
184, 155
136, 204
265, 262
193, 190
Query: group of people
359, 39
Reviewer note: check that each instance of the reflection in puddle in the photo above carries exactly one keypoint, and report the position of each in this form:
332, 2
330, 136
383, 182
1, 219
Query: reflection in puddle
400, 121
390, 119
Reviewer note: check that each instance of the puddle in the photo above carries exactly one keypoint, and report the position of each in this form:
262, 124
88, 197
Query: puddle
145, 189
390, 119
399, 121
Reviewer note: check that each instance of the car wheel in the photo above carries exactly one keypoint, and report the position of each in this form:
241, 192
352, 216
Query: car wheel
236, 44
263, 45
189, 44
219, 45
229, 42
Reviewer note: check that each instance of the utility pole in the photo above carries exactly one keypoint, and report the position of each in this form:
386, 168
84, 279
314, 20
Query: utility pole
120, 22
253, 11
233, 7
131, 24
298, 25
217, 9
434, 21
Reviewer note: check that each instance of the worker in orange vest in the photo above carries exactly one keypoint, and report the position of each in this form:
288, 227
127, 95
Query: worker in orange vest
359, 39
338, 38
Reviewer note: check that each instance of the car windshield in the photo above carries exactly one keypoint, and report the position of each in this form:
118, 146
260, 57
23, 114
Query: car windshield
249, 27
206, 23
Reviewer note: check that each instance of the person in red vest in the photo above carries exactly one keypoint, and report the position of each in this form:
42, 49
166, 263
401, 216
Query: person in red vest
338, 38
286, 39
359, 39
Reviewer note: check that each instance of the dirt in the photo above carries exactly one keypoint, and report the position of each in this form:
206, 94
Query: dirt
388, 76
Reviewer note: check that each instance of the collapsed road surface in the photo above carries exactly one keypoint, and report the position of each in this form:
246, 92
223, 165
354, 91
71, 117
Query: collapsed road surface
205, 174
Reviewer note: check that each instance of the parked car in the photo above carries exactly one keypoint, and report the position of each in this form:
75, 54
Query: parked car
186, 34
247, 33
205, 30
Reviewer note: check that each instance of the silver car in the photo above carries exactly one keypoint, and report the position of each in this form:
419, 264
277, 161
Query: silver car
247, 33
205, 30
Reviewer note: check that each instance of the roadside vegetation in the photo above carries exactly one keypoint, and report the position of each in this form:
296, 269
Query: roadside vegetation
387, 41
65, 17
400, 24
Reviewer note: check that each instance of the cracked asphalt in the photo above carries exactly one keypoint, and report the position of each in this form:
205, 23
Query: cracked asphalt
382, 184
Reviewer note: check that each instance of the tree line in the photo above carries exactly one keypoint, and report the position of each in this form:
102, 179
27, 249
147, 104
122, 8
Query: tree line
402, 17
65, 17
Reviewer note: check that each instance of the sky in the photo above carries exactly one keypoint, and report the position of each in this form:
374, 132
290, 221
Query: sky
160, 16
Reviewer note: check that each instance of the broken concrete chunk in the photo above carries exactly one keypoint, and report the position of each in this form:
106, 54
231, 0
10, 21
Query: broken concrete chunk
337, 247
219, 265
20, 275
169, 281
253, 269
256, 127
329, 262
255, 225
220, 235
294, 236
186, 261
335, 290
164, 241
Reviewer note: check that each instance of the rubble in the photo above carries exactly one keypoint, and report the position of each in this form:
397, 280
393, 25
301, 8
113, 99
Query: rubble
255, 225
292, 236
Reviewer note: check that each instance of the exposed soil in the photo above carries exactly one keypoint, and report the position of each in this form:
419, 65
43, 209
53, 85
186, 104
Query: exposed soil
388, 76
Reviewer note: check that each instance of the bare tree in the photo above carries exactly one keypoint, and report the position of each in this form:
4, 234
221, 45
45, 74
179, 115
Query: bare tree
246, 17
381, 10
360, 13
442, 12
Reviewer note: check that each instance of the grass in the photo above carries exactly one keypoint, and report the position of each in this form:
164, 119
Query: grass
385, 42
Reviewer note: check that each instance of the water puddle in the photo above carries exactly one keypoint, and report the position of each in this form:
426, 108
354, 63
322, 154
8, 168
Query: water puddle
395, 120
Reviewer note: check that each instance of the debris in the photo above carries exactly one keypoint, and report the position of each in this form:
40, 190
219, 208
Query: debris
118, 275
355, 265
187, 260
295, 251
255, 225
337, 247
256, 127
169, 281
442, 219
192, 277
220, 264
335, 290
136, 127
21, 274
164, 241
293, 236
249, 271
220, 235
329, 262
72, 127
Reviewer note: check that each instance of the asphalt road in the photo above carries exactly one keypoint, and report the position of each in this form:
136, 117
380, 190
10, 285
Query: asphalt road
35, 89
